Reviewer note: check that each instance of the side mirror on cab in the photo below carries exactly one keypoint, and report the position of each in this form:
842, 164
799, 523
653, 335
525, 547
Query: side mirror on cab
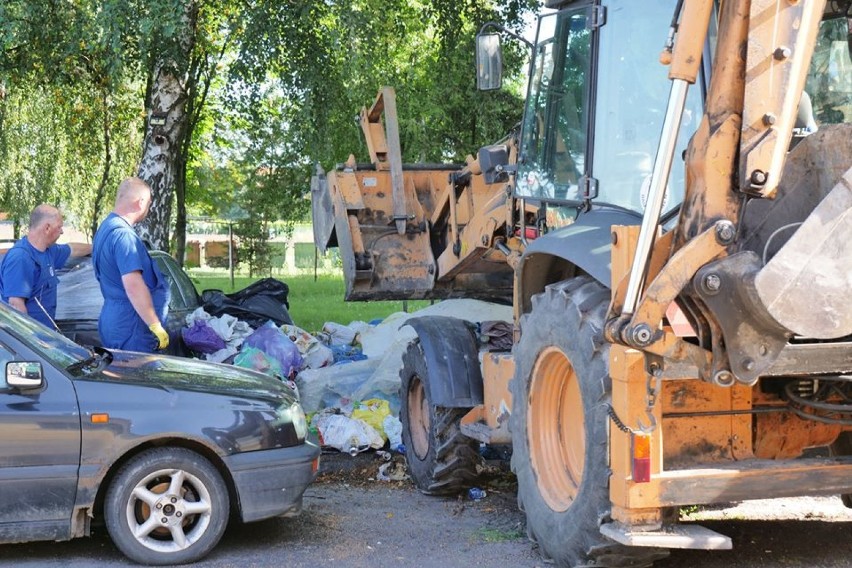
489, 62
24, 375
493, 161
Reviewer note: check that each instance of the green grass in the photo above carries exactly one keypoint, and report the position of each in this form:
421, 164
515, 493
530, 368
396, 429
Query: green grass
486, 534
312, 303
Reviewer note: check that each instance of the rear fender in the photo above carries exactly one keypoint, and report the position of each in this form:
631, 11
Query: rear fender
452, 359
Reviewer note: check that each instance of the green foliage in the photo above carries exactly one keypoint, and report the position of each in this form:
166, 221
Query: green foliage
255, 250
272, 90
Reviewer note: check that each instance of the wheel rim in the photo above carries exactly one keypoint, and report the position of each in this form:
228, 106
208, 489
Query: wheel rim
418, 414
556, 429
169, 510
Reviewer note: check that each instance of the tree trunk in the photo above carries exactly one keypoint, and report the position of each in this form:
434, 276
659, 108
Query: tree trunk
166, 128
99, 195
180, 218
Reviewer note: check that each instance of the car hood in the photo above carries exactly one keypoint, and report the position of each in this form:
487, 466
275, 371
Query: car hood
178, 373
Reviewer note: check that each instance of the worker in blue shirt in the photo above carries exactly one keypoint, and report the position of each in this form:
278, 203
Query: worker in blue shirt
28, 278
136, 295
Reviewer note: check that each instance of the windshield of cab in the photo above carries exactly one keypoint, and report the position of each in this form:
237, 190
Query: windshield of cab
630, 91
555, 119
632, 94
829, 82
52, 345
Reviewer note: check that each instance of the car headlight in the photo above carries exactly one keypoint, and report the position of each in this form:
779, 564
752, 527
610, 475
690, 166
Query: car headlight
300, 424
296, 416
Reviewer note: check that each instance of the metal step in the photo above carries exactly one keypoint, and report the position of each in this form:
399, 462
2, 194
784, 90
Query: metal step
669, 536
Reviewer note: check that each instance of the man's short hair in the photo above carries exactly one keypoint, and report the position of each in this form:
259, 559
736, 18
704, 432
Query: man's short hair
43, 213
131, 188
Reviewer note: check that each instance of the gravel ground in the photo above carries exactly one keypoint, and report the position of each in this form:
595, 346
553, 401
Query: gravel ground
353, 519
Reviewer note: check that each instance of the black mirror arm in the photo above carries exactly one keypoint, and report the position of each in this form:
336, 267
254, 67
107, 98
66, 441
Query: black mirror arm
506, 31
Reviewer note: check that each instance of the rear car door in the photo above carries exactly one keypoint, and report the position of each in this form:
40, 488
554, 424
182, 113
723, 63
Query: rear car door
39, 450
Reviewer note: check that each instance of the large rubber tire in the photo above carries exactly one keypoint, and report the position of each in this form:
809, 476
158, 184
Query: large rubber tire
441, 460
174, 484
842, 446
560, 393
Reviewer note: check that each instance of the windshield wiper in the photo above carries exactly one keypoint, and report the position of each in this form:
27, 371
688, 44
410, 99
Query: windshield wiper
98, 359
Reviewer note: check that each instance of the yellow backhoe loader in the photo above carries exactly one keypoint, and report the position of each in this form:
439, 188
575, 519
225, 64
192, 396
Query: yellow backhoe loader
676, 240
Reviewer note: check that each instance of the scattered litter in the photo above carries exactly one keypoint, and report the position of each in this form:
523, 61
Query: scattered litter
496, 335
476, 494
346, 434
339, 334
392, 471
393, 430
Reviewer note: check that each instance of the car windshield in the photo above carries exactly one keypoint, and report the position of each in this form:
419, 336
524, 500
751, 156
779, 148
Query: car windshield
52, 345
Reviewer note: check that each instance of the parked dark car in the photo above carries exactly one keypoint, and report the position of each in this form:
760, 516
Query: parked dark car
162, 450
79, 302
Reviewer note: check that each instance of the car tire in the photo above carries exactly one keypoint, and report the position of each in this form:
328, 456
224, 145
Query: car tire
184, 490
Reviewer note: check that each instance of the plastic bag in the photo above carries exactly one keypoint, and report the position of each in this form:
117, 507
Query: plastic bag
314, 353
272, 341
373, 412
318, 356
255, 304
347, 434
252, 358
393, 430
340, 334
333, 387
303, 340
347, 353
202, 338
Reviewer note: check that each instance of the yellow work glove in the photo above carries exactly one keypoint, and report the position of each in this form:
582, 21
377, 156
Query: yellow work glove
161, 335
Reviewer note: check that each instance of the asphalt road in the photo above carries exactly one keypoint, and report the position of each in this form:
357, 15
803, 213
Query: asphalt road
351, 519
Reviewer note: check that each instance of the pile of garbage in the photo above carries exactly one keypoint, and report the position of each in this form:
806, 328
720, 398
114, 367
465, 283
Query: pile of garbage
347, 376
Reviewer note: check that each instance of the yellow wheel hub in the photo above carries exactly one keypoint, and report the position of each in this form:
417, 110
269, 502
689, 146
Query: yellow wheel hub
555, 429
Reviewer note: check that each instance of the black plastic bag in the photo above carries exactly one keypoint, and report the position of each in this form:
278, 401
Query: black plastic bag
255, 304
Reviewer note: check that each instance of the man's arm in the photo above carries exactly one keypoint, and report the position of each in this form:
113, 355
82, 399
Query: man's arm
140, 297
19, 304
81, 249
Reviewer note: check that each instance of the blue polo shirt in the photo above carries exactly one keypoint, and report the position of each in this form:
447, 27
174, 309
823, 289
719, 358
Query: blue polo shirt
29, 273
117, 250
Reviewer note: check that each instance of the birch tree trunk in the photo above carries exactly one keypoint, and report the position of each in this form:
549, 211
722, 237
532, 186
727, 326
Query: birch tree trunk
166, 128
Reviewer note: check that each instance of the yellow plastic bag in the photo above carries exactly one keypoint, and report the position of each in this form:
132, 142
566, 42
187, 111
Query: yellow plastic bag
373, 411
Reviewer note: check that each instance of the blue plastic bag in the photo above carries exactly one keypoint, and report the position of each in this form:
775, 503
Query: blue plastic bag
277, 346
347, 353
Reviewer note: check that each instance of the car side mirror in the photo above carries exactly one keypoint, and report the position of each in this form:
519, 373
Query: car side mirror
24, 375
489, 62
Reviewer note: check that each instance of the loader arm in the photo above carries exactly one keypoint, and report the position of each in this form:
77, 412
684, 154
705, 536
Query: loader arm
744, 304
